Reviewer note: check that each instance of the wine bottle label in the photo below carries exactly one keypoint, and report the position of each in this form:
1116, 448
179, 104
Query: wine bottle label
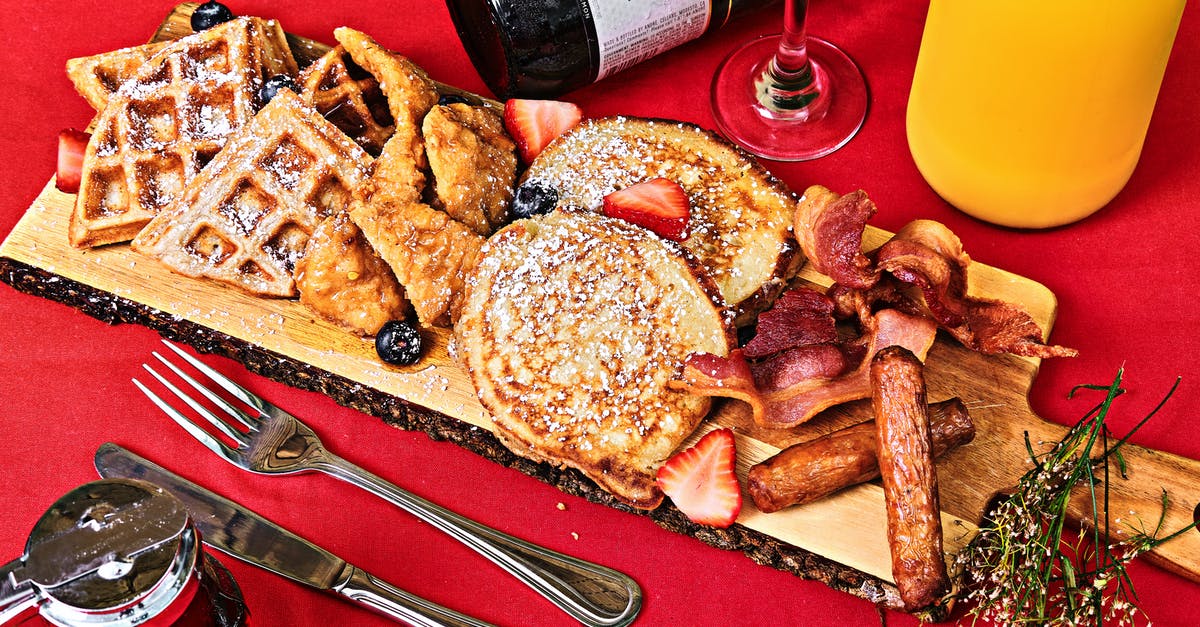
631, 31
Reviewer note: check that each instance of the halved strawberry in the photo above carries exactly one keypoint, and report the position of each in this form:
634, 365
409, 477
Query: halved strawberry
700, 480
72, 144
535, 123
659, 204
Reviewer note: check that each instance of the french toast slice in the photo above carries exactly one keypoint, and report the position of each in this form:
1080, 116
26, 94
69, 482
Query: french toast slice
741, 214
571, 326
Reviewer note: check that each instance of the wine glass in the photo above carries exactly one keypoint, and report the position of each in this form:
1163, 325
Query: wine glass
789, 97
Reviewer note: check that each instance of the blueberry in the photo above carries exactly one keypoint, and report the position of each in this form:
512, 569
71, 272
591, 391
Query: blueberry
533, 198
399, 343
209, 15
273, 85
448, 99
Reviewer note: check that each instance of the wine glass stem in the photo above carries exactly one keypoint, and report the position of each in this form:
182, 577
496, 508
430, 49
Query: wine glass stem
789, 84
792, 57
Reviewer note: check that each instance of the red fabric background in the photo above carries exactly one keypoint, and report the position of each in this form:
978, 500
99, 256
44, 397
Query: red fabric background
1124, 277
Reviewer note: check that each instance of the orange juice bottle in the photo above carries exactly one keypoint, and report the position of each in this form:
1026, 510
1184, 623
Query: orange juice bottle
1032, 113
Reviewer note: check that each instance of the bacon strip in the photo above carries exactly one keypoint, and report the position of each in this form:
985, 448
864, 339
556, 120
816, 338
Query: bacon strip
805, 472
929, 256
799, 317
829, 229
712, 375
925, 254
799, 401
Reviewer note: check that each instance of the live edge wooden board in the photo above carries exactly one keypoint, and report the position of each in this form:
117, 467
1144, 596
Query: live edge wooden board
840, 540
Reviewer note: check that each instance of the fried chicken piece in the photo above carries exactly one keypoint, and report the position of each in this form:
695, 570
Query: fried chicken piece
410, 92
430, 252
396, 175
474, 164
342, 279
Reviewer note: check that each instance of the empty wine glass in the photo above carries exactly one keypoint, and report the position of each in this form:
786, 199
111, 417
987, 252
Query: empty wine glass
789, 97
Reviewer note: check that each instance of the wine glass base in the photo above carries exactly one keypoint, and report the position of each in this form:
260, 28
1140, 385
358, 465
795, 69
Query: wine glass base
789, 135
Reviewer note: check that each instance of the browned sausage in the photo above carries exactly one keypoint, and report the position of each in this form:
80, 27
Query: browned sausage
909, 482
813, 470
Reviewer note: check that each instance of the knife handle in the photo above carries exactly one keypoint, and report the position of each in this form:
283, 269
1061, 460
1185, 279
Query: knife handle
361, 587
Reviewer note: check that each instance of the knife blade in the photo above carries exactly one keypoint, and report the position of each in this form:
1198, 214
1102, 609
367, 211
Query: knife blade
241, 533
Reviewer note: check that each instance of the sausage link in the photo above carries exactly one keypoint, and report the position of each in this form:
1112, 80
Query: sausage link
909, 482
806, 472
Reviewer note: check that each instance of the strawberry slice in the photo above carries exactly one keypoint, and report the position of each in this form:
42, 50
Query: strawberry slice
659, 204
72, 144
700, 480
535, 123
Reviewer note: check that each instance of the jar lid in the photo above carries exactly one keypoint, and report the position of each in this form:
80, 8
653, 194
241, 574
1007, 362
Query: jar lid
106, 544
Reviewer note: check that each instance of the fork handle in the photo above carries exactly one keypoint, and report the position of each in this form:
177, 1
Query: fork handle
595, 595
361, 587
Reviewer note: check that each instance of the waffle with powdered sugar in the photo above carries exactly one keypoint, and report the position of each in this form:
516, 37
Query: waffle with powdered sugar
167, 121
247, 218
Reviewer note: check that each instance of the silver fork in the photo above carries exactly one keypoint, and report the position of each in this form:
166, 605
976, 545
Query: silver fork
275, 442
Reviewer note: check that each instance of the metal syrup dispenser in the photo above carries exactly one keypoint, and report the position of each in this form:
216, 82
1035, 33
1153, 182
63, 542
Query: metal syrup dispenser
112, 553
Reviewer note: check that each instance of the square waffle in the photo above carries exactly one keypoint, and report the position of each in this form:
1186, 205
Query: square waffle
247, 217
349, 97
99, 76
168, 120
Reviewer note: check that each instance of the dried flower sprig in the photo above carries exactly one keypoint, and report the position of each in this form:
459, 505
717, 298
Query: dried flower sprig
1021, 569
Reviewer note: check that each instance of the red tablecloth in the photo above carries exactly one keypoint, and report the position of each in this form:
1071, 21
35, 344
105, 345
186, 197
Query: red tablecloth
1125, 280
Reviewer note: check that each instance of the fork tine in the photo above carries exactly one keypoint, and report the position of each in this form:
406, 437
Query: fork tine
238, 392
214, 419
207, 440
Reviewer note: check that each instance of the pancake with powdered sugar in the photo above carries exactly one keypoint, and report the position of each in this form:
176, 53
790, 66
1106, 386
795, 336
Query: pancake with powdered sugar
571, 326
741, 216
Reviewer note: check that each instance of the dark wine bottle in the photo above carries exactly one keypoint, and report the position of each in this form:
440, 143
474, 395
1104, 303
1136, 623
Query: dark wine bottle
544, 48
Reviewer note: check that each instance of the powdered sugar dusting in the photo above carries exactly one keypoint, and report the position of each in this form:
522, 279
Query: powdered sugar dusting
584, 322
739, 214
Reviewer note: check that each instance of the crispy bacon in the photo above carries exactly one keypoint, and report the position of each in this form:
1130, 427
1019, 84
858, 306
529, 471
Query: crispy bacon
924, 254
800, 317
829, 229
799, 403
814, 361
712, 375
929, 256
803, 398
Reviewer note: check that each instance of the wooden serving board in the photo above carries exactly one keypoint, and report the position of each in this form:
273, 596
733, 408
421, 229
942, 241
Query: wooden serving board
840, 540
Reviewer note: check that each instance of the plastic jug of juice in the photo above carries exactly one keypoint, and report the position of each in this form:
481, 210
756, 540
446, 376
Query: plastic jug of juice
1032, 113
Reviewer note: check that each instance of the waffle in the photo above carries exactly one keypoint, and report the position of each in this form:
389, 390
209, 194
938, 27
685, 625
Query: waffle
571, 327
247, 217
99, 76
167, 121
741, 215
349, 97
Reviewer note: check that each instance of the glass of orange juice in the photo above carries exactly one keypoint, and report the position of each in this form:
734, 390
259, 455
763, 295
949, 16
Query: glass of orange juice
1032, 113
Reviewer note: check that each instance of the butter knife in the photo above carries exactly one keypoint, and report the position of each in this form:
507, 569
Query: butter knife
237, 531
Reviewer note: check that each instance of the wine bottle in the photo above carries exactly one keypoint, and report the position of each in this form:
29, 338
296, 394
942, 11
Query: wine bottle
544, 48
